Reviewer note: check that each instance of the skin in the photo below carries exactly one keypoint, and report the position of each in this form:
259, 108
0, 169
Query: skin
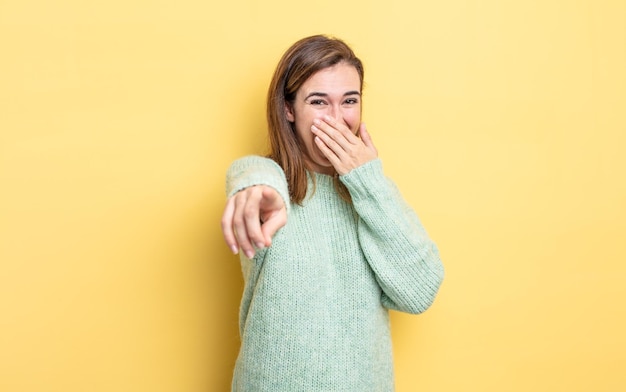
327, 103
326, 114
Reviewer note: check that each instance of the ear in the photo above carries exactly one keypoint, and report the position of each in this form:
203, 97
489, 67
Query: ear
289, 113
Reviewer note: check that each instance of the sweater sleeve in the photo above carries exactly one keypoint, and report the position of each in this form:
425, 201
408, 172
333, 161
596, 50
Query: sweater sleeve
256, 170
404, 259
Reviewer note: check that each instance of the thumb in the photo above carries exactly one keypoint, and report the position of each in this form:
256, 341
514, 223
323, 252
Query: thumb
272, 224
271, 201
273, 213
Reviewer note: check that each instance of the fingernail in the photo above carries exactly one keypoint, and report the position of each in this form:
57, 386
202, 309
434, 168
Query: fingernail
260, 245
234, 249
250, 254
317, 121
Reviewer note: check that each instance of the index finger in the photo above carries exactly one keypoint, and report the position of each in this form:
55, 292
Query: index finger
342, 128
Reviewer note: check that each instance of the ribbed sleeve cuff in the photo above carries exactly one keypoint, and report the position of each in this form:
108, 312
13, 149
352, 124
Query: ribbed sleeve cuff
256, 170
367, 180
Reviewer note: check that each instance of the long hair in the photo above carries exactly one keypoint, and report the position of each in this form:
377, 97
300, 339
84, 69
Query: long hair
303, 59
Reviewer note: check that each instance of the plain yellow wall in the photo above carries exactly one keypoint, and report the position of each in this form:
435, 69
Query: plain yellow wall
502, 122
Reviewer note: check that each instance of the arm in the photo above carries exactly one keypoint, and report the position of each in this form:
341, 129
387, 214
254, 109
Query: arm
258, 202
404, 259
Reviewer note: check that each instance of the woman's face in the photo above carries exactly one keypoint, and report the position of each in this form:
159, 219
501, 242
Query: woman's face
333, 91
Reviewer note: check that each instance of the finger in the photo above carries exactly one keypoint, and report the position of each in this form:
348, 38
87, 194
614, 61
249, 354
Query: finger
227, 226
344, 129
239, 224
330, 136
339, 133
252, 216
329, 153
334, 147
272, 204
336, 140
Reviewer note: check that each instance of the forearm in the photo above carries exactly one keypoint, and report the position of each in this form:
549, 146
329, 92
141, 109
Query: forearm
256, 170
405, 260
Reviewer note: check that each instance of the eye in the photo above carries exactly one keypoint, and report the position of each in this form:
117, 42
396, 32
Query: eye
317, 102
351, 101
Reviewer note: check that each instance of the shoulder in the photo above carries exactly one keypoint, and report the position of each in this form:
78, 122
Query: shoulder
254, 166
254, 162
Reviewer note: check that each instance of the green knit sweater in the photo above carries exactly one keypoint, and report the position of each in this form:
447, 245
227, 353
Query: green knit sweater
314, 312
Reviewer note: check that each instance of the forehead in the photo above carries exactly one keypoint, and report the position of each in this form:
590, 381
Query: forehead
339, 78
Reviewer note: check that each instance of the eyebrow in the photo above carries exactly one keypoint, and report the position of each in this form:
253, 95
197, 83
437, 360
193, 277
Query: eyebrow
320, 94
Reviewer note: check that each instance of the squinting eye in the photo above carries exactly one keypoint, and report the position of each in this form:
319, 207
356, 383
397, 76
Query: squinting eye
352, 101
317, 102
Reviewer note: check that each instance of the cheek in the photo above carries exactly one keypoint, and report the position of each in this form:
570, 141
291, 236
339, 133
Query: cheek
303, 124
353, 119
303, 130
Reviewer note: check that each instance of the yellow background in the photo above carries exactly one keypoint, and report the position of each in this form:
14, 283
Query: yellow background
502, 122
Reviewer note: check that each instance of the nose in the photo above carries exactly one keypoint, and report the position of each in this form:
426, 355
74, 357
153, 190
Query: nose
335, 111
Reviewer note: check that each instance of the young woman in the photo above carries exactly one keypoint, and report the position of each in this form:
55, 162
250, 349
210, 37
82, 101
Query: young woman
328, 244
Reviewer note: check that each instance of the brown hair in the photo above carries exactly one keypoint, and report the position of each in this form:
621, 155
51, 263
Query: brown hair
299, 63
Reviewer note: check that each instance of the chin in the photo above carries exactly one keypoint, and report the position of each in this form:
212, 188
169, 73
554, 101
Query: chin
326, 168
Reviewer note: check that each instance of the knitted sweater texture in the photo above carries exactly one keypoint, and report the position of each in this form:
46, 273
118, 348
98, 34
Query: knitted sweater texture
314, 312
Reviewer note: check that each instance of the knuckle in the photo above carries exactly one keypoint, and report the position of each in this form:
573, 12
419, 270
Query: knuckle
239, 199
249, 213
238, 220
